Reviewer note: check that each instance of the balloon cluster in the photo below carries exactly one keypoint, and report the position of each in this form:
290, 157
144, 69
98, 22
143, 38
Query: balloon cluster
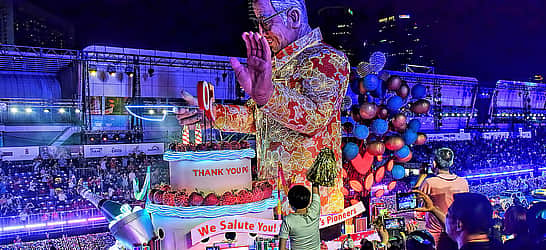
383, 132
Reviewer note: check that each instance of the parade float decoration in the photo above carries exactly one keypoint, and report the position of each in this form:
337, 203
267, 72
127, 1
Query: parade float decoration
211, 200
383, 128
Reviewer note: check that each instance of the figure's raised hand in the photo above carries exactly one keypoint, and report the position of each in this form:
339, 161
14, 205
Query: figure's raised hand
189, 116
255, 78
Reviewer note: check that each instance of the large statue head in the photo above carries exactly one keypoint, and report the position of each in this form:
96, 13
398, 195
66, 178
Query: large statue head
281, 21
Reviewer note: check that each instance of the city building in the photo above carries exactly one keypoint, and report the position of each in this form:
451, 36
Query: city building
23, 23
336, 24
402, 38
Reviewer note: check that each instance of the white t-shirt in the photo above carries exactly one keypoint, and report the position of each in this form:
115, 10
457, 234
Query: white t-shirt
303, 229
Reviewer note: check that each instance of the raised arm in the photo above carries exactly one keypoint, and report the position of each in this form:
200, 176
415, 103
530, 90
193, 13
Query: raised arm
235, 118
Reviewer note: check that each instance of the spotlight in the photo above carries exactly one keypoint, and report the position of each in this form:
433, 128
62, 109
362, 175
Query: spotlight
151, 72
111, 70
164, 112
77, 111
151, 112
28, 110
130, 70
47, 110
116, 137
92, 139
62, 110
93, 70
14, 110
104, 137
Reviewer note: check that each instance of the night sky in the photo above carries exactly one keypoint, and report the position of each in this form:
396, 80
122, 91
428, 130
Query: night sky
487, 39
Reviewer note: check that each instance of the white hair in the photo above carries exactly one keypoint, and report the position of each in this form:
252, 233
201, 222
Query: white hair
280, 5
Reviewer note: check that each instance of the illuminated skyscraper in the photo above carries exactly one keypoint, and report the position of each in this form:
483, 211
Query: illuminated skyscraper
336, 24
22, 23
402, 38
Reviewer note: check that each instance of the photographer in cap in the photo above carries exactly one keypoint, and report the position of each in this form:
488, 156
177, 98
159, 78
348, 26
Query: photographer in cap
440, 189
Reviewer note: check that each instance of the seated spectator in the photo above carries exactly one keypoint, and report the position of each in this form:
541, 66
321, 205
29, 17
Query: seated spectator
515, 223
469, 220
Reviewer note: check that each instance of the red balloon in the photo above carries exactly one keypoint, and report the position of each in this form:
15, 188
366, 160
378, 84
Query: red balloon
355, 185
344, 191
379, 174
390, 165
399, 121
394, 83
361, 88
403, 91
420, 107
402, 128
382, 112
368, 110
421, 139
391, 185
355, 114
376, 148
368, 183
362, 164
379, 193
394, 143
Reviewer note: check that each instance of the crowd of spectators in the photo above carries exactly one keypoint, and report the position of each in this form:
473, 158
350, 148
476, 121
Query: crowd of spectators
47, 186
524, 184
479, 154
82, 242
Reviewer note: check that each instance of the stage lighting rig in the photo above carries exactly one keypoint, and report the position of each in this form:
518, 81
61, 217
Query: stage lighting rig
130, 70
111, 70
93, 69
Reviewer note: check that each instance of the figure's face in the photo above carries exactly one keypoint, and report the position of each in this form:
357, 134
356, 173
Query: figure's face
279, 34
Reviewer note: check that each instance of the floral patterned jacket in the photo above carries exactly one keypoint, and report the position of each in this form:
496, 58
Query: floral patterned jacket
302, 116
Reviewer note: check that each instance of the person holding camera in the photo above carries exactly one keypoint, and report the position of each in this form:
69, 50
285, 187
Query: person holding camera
441, 188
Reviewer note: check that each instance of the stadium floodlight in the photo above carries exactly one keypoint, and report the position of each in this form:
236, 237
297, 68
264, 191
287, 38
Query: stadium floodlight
77, 111
62, 110
14, 110
93, 70
47, 110
130, 70
111, 70
28, 110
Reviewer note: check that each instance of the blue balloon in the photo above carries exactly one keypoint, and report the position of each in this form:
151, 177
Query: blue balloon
371, 82
361, 132
409, 137
402, 153
414, 125
380, 91
354, 87
350, 151
395, 103
379, 126
418, 91
398, 172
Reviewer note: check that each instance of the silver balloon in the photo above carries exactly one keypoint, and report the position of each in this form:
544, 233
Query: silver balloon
347, 103
377, 61
363, 69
